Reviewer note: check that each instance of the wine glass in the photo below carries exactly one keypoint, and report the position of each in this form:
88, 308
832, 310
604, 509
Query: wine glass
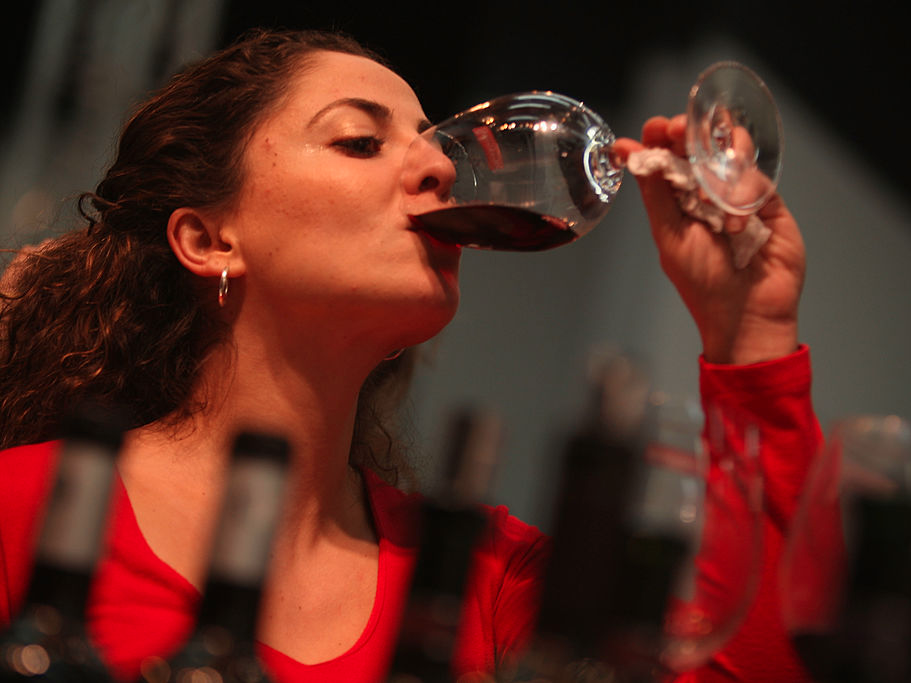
656, 537
734, 137
533, 171
846, 572
694, 538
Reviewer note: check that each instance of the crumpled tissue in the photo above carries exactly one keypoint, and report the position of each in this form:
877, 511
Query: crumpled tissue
678, 172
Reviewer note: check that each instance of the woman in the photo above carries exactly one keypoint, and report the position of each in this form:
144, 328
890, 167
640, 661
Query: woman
249, 261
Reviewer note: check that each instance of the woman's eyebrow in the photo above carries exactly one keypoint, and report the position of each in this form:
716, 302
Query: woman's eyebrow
375, 110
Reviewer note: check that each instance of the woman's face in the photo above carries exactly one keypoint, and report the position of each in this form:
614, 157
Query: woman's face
322, 219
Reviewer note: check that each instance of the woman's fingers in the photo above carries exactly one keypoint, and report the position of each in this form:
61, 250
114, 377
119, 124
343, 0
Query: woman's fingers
622, 148
661, 131
655, 132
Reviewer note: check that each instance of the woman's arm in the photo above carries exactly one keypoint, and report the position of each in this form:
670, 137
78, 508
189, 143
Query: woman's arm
752, 364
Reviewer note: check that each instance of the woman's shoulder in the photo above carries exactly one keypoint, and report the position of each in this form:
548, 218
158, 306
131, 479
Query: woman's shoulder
505, 530
512, 548
26, 473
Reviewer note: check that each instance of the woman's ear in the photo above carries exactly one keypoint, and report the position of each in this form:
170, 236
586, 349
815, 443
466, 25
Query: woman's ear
197, 241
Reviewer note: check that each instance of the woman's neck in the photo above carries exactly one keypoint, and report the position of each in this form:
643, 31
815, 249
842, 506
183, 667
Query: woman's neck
174, 475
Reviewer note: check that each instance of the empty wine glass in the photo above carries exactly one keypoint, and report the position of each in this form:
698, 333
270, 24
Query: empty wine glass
846, 572
734, 137
533, 171
656, 538
698, 506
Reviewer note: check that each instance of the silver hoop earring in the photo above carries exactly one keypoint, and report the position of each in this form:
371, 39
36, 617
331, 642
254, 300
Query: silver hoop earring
223, 287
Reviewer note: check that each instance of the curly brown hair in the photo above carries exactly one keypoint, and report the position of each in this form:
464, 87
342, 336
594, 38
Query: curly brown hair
106, 313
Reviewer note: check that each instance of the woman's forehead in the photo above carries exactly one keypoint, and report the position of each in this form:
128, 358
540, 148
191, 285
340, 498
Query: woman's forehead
332, 76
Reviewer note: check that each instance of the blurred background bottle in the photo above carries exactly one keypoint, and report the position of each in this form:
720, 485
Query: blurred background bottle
846, 573
222, 646
596, 471
47, 640
451, 525
608, 580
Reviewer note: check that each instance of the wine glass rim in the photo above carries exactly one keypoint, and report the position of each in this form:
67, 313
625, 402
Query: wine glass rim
525, 95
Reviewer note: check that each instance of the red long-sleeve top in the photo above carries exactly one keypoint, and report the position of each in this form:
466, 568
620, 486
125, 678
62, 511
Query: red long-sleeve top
141, 607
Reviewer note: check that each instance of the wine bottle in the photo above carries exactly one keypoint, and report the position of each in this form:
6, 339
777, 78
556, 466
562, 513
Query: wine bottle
47, 640
870, 642
604, 580
451, 524
222, 645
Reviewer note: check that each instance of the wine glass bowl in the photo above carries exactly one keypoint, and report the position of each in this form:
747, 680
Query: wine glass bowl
685, 556
846, 572
701, 487
734, 137
532, 171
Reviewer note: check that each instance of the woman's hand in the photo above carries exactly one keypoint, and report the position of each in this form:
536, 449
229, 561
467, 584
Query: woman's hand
743, 315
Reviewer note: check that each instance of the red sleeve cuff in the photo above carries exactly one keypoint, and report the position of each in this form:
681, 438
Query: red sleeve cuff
744, 384
776, 395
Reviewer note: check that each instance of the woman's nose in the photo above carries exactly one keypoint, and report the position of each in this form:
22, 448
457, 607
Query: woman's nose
428, 170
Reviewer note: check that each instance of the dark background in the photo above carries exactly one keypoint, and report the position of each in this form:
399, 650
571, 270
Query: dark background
849, 63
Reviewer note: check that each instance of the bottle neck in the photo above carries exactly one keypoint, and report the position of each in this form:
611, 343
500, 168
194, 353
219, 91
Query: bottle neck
73, 528
241, 551
451, 526
248, 520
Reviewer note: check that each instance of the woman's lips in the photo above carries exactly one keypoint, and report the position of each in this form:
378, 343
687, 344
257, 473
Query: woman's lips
418, 226
416, 223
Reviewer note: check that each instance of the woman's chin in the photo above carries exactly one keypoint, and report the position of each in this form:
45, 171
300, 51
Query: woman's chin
430, 318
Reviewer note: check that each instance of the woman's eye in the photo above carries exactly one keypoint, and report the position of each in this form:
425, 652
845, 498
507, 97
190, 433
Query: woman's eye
365, 146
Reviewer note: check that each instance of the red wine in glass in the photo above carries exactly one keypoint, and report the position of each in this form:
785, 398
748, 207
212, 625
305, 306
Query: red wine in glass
498, 227
530, 171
